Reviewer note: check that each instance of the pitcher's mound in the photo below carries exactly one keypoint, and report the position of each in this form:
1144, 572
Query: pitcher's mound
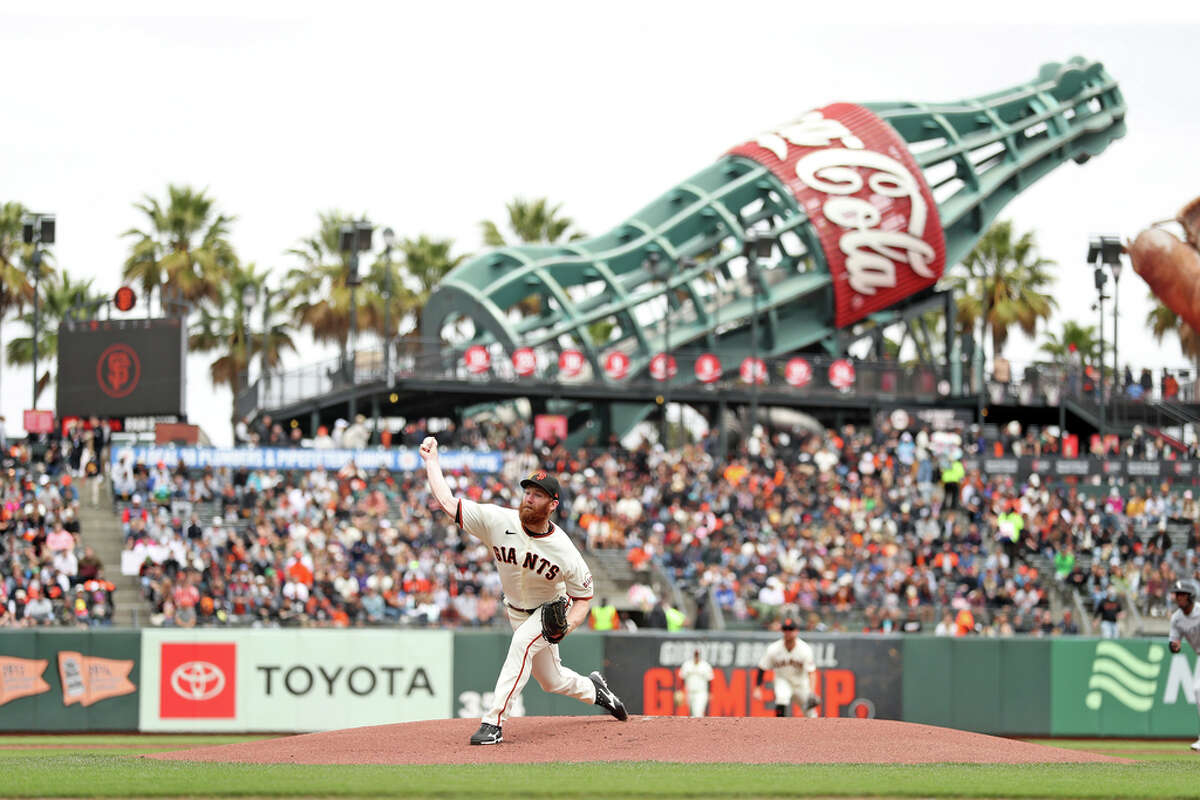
742, 740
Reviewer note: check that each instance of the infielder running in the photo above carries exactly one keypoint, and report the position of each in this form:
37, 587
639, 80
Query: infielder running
538, 564
696, 675
795, 672
1185, 624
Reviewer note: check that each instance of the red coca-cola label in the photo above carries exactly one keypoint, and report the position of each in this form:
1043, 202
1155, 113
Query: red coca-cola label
570, 363
477, 359
524, 361
708, 368
662, 367
616, 365
798, 372
866, 198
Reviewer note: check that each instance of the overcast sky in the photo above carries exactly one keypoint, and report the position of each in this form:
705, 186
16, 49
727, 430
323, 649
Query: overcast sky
430, 117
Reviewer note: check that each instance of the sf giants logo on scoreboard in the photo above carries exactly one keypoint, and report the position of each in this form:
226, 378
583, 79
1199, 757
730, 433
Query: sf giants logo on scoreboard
118, 370
867, 200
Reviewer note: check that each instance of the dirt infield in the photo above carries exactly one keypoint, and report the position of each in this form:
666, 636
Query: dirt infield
741, 740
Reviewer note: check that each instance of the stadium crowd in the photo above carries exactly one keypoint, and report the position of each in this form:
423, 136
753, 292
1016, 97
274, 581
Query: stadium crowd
873, 530
850, 530
48, 574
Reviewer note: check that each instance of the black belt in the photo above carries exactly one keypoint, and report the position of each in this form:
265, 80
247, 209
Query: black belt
522, 610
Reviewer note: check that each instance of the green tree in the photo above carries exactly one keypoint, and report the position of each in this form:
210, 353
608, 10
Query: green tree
226, 327
317, 290
1163, 321
423, 262
183, 250
1084, 337
1006, 283
15, 287
532, 222
61, 298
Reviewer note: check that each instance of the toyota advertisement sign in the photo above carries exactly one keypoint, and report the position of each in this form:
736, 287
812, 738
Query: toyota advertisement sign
278, 680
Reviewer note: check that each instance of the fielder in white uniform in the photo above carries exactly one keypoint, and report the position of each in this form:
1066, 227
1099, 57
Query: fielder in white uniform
1185, 624
795, 672
537, 563
696, 675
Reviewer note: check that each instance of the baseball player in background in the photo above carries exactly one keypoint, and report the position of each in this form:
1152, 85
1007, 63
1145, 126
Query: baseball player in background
696, 675
537, 563
795, 672
1185, 624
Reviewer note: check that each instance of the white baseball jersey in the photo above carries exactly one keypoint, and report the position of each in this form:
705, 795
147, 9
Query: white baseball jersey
696, 675
534, 568
1186, 626
792, 665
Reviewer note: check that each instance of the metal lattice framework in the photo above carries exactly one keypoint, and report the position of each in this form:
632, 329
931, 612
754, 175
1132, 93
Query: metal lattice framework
603, 294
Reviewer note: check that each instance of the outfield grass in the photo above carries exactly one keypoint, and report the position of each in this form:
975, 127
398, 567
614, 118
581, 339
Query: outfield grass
78, 772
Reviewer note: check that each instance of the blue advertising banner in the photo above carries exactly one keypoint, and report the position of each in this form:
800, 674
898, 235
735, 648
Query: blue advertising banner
396, 460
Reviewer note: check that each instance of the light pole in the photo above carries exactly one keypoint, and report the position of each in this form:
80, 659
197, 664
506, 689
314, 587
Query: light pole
660, 270
1106, 251
389, 239
755, 247
354, 239
37, 230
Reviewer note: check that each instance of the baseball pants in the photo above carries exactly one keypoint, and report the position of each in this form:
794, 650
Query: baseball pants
697, 703
530, 654
785, 690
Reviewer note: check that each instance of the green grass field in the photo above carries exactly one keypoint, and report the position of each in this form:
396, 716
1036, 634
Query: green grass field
106, 766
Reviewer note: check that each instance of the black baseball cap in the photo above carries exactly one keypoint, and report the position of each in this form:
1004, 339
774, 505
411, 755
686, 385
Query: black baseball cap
789, 624
544, 481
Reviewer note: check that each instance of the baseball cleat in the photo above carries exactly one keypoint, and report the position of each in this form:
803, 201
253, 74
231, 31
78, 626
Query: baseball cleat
487, 734
1196, 745
605, 698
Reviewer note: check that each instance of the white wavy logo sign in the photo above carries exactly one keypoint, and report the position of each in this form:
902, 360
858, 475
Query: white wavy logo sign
1121, 675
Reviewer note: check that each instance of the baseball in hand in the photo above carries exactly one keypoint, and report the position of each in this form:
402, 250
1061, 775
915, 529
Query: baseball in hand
429, 448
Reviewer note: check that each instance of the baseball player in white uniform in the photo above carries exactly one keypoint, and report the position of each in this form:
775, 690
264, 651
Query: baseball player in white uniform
1185, 624
537, 563
696, 675
795, 672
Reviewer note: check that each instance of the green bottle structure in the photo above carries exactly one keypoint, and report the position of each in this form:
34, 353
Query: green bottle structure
864, 206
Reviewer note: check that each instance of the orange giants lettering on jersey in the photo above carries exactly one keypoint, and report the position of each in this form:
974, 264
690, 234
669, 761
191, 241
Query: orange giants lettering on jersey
530, 561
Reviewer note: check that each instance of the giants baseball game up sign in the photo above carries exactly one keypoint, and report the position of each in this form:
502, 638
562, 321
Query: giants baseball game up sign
866, 199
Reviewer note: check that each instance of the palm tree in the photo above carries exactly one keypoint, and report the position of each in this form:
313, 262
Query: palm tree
227, 329
62, 298
533, 222
184, 249
318, 292
1162, 320
1084, 337
1006, 283
15, 287
424, 262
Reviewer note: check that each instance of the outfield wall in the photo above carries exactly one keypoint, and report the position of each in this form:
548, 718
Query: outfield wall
267, 680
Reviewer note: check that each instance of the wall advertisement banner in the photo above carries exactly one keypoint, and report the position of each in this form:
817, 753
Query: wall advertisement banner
479, 656
394, 459
286, 680
69, 680
857, 676
1123, 687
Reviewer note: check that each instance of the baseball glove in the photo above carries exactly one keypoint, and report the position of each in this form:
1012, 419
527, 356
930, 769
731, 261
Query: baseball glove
554, 620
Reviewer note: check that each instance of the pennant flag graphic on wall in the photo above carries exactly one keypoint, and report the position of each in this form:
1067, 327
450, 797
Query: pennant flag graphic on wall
87, 679
21, 677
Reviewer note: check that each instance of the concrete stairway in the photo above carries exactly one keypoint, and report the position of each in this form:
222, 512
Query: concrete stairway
100, 529
612, 576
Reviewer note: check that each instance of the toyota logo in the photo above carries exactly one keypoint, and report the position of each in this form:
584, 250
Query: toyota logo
197, 680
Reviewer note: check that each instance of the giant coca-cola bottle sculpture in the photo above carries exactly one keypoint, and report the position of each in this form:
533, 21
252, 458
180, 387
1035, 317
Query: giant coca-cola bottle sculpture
868, 204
